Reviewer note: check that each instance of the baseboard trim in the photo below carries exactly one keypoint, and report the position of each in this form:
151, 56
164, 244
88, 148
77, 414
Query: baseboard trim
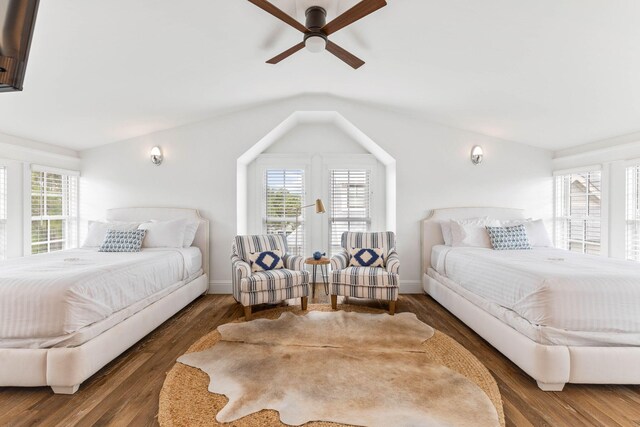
220, 287
224, 287
411, 287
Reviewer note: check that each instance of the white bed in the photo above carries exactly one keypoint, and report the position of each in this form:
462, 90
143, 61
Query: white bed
65, 315
531, 305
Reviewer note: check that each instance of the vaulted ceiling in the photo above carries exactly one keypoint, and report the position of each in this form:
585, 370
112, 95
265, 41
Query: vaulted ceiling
550, 73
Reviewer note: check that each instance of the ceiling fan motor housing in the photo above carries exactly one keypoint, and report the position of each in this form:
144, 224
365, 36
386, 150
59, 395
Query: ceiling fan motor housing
316, 19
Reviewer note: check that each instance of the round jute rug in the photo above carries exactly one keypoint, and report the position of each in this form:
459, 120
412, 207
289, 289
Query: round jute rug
185, 400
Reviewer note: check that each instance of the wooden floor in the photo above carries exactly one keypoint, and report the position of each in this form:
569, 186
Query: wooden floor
125, 392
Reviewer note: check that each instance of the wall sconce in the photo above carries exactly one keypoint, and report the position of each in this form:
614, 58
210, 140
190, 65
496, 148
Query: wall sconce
156, 156
476, 155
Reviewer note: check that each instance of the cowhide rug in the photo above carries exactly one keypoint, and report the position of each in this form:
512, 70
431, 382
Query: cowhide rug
350, 368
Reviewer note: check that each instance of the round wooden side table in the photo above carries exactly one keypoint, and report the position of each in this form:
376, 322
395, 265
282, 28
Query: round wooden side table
322, 262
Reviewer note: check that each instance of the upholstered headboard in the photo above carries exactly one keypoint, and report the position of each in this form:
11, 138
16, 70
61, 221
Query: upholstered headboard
164, 214
432, 232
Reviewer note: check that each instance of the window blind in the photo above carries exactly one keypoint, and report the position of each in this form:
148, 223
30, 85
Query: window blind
350, 203
284, 194
3, 212
578, 198
54, 210
632, 240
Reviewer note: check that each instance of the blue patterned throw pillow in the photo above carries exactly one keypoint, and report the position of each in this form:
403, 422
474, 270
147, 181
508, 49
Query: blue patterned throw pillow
367, 257
267, 260
123, 241
506, 238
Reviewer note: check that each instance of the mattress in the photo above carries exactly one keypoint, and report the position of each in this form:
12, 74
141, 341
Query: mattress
438, 255
552, 296
67, 297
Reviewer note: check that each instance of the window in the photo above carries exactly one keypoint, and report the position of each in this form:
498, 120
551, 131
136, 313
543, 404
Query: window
283, 198
577, 206
3, 212
350, 191
632, 244
54, 210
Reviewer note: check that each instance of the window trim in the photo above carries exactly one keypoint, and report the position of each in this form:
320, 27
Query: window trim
604, 202
278, 161
368, 219
317, 167
582, 169
27, 217
377, 207
631, 164
4, 219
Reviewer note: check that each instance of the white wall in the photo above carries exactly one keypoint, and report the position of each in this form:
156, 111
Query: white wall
310, 137
17, 154
433, 171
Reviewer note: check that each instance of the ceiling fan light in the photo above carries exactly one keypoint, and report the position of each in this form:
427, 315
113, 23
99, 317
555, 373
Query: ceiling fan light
315, 44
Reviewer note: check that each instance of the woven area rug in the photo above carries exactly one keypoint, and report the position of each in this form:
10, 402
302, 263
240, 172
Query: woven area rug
407, 375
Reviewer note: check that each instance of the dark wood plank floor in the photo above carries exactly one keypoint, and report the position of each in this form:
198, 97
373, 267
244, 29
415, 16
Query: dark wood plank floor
125, 392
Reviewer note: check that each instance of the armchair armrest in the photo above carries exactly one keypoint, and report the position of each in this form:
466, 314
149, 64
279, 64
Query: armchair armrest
393, 262
241, 269
293, 262
340, 260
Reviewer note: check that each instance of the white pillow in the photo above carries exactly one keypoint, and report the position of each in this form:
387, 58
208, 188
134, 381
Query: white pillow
164, 234
538, 235
190, 229
536, 231
472, 232
513, 222
97, 231
446, 232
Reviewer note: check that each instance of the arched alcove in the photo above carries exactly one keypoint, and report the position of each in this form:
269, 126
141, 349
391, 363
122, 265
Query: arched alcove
299, 118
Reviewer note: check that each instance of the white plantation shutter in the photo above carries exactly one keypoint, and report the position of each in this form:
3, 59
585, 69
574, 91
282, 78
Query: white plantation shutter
283, 196
632, 245
578, 211
54, 209
3, 212
350, 191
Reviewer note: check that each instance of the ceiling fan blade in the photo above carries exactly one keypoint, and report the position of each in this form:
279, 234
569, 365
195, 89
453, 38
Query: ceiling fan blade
360, 10
287, 53
342, 54
268, 7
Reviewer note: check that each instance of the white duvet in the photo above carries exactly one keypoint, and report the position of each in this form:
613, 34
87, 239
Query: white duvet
550, 287
57, 294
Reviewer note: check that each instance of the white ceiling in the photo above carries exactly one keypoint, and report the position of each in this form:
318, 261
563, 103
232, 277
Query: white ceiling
550, 73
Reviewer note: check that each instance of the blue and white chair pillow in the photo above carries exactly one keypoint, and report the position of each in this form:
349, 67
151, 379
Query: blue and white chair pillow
267, 260
366, 257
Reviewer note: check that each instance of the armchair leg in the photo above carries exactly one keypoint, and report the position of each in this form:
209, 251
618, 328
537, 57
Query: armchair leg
334, 302
392, 307
303, 302
247, 312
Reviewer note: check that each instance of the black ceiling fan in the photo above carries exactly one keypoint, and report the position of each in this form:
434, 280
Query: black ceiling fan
316, 31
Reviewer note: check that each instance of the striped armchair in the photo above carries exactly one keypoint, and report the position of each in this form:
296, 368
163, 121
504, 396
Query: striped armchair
273, 286
366, 282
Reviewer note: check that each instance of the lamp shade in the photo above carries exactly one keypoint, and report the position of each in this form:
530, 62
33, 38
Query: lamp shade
315, 44
319, 206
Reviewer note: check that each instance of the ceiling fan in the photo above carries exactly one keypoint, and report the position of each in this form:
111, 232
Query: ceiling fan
316, 31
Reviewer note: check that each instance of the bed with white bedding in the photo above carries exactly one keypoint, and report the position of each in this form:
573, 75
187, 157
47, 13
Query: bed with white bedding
561, 316
65, 298
66, 314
